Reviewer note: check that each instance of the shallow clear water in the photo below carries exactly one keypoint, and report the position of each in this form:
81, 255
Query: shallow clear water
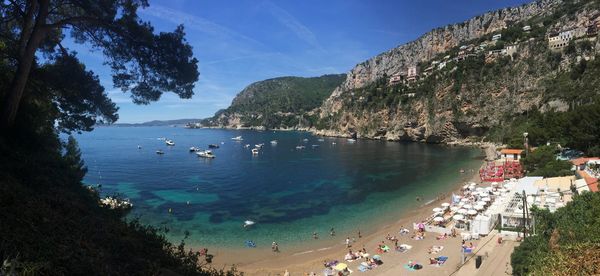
289, 193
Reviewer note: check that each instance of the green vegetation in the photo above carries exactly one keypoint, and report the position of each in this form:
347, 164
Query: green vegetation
50, 223
542, 162
279, 102
566, 242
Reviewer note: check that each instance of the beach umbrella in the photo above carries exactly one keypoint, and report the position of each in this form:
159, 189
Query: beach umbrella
472, 212
464, 199
438, 219
458, 217
462, 211
437, 210
454, 208
482, 203
479, 207
342, 266
486, 199
467, 206
466, 186
376, 257
494, 183
445, 204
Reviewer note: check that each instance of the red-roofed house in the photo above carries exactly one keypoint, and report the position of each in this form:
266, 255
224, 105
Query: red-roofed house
511, 154
591, 178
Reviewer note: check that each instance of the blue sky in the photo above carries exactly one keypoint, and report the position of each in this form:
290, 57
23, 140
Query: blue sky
240, 42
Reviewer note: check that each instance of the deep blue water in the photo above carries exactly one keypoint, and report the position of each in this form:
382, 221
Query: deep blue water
289, 193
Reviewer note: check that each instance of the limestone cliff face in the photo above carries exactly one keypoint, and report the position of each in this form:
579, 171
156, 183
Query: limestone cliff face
438, 41
452, 109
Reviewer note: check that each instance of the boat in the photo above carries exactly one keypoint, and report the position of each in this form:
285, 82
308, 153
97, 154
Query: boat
333, 143
321, 140
259, 146
305, 140
161, 138
139, 147
205, 154
160, 152
274, 142
300, 147
193, 149
248, 223
247, 146
351, 140
254, 151
169, 142
237, 138
213, 146
314, 146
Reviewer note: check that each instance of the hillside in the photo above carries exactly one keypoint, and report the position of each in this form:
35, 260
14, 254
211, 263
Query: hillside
276, 103
471, 78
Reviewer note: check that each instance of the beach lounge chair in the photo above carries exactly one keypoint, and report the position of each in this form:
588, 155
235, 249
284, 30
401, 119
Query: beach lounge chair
363, 268
442, 260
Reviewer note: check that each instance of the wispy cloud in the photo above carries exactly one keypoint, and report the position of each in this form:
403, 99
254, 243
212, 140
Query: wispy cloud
293, 24
196, 23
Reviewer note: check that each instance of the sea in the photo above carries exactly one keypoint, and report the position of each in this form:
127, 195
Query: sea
289, 193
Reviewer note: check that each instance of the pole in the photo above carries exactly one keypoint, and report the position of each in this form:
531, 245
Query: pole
524, 218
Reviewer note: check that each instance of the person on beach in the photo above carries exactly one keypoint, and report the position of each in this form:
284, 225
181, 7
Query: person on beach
273, 246
348, 242
276, 248
332, 232
359, 235
315, 236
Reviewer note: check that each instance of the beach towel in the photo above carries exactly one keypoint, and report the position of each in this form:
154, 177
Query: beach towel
385, 248
363, 268
415, 267
403, 248
436, 249
442, 260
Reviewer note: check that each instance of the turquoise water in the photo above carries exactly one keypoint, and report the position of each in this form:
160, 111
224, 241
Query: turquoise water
289, 193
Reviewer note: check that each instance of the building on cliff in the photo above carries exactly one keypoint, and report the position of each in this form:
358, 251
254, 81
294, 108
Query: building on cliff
397, 78
558, 41
412, 73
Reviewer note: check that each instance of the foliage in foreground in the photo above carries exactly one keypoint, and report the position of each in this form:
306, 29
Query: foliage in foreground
567, 241
542, 162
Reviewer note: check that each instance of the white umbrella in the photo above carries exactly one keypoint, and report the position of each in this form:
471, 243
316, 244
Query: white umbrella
479, 207
437, 210
464, 199
466, 186
467, 206
479, 189
445, 204
472, 212
454, 208
438, 219
458, 217
486, 199
462, 211
494, 183
480, 203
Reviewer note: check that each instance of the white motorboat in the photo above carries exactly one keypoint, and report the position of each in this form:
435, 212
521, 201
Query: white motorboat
259, 146
169, 142
237, 138
321, 140
160, 152
254, 151
193, 149
274, 142
139, 147
300, 147
351, 140
247, 146
305, 140
248, 223
205, 154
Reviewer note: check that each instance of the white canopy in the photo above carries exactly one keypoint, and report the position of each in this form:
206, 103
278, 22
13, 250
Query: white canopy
472, 212
454, 208
458, 217
486, 199
479, 207
445, 204
438, 219
437, 210
462, 211
467, 206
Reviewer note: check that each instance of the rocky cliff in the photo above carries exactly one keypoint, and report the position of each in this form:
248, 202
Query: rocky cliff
472, 94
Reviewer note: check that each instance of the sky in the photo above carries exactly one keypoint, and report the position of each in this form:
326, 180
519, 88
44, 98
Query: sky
244, 41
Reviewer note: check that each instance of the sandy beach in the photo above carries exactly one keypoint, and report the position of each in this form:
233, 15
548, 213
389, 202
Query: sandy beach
310, 258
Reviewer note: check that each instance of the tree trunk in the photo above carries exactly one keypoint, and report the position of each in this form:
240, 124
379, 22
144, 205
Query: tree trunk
12, 99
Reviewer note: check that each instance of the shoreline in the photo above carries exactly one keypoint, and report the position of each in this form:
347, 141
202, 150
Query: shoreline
309, 257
